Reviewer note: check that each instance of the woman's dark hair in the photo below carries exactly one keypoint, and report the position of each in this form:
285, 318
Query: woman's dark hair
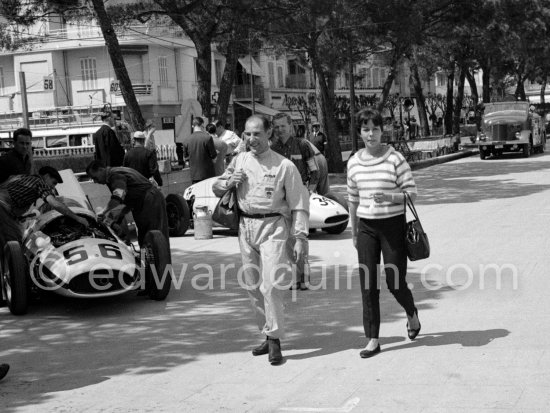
211, 128
364, 115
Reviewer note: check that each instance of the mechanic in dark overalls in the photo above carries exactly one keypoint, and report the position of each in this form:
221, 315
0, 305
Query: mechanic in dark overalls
140, 196
19, 192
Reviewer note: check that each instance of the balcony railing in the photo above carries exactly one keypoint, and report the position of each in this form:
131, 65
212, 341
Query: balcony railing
140, 89
90, 31
244, 92
299, 81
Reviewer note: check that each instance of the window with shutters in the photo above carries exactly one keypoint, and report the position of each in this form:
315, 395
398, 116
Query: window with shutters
89, 73
2, 81
163, 71
271, 69
280, 78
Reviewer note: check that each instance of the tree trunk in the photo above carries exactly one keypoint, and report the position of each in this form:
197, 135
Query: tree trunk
325, 115
420, 99
111, 41
450, 100
473, 87
204, 73
543, 89
486, 79
228, 80
352, 131
389, 81
459, 99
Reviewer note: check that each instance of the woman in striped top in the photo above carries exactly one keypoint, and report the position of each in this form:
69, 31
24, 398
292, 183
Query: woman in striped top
377, 178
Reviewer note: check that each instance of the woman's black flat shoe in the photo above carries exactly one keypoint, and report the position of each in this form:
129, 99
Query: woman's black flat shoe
413, 333
365, 354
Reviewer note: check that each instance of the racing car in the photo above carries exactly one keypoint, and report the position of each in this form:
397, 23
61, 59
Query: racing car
328, 213
60, 255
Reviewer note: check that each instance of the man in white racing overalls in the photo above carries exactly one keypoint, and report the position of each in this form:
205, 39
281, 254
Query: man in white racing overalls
274, 205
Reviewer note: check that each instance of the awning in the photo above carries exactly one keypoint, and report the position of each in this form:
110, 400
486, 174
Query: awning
256, 69
258, 108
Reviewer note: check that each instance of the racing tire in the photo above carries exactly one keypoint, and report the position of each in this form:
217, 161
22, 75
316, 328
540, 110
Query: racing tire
178, 213
14, 279
157, 253
337, 229
526, 150
482, 154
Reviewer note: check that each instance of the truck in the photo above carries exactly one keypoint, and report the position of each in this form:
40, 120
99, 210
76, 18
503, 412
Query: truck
510, 127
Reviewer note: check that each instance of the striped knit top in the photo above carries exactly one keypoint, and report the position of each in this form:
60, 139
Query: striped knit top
368, 175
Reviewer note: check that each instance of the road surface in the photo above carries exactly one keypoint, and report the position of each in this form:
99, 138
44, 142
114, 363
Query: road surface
483, 347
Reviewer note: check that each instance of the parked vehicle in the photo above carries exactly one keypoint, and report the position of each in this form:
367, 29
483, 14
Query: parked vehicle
60, 255
510, 127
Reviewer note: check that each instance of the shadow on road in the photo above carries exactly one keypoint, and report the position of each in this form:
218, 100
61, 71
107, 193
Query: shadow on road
64, 345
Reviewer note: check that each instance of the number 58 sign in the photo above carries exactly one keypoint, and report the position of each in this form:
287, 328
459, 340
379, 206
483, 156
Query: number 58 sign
48, 83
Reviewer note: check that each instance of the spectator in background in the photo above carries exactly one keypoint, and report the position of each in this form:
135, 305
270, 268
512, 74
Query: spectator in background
230, 138
318, 138
413, 131
142, 159
108, 149
199, 149
149, 136
18, 161
221, 149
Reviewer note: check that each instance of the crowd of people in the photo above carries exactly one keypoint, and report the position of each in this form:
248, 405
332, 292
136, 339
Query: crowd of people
273, 172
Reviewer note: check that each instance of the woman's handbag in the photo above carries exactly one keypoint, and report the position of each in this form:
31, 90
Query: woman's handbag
418, 246
226, 212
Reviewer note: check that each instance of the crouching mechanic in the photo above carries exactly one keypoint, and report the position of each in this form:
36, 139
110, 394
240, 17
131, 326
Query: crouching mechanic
138, 195
19, 192
274, 206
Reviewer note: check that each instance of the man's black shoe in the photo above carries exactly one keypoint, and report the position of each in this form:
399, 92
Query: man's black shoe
4, 368
261, 349
275, 355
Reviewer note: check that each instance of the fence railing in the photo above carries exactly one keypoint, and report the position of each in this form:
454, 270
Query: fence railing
164, 152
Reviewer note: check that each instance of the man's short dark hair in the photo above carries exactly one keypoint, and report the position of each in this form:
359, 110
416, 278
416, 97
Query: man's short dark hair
48, 170
105, 115
94, 166
220, 123
21, 132
282, 115
211, 128
198, 121
265, 121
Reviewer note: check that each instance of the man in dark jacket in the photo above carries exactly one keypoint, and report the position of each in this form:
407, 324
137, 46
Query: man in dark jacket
108, 149
200, 150
18, 161
142, 159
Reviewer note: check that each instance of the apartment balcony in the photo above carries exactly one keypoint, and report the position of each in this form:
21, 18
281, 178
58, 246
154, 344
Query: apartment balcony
90, 31
140, 89
299, 81
244, 92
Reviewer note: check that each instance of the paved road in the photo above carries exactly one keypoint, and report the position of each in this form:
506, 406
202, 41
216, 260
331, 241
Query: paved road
481, 349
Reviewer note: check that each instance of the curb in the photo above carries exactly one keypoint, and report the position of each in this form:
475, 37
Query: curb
441, 159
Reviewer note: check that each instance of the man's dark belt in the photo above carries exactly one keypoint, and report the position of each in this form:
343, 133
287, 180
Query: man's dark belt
260, 216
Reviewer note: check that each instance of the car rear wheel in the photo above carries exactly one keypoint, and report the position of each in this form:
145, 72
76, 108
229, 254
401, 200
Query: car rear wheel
158, 271
178, 213
482, 154
337, 229
14, 279
526, 150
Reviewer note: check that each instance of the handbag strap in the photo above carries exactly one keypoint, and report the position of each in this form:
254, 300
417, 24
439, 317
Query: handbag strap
408, 202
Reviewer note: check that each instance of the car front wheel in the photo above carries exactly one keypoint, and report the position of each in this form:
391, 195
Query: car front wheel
14, 278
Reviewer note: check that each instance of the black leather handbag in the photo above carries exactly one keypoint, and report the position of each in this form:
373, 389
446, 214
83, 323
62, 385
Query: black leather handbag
418, 246
226, 212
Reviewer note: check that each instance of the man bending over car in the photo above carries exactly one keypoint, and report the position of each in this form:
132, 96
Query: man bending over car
19, 192
138, 195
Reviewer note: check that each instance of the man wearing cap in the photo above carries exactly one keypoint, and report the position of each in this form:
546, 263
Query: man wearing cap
19, 192
140, 196
18, 161
107, 146
274, 206
318, 138
142, 159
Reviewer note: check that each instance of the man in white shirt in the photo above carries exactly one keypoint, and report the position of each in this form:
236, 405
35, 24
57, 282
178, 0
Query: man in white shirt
229, 137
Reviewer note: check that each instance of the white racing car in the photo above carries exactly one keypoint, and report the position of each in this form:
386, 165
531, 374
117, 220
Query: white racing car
60, 255
328, 213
